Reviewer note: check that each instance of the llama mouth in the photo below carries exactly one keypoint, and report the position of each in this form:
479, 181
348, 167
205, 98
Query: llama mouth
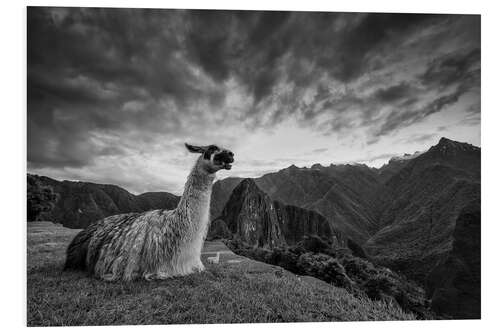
224, 160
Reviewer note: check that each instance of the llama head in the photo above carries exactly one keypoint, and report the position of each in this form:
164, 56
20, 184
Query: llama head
214, 158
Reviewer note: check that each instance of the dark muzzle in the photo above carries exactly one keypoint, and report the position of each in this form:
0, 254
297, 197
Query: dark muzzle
224, 158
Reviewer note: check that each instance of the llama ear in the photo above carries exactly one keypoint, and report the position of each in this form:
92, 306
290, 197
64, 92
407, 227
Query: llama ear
195, 149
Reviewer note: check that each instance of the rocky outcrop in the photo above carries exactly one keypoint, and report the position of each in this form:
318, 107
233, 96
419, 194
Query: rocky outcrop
251, 216
218, 230
296, 222
221, 191
404, 214
254, 218
348, 196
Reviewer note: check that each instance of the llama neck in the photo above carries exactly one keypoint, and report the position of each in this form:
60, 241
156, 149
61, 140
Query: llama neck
195, 201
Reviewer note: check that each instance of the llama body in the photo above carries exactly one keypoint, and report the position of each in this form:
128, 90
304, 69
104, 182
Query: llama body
214, 260
156, 244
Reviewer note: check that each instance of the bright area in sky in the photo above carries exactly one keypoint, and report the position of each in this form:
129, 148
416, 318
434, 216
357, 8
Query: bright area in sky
113, 94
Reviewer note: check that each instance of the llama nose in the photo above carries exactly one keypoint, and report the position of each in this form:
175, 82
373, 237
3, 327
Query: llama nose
231, 156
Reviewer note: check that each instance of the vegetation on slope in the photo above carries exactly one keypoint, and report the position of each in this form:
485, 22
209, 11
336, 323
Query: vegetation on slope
340, 268
222, 294
40, 198
79, 204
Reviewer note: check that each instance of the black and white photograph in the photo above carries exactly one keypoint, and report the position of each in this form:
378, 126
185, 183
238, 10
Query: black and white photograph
220, 166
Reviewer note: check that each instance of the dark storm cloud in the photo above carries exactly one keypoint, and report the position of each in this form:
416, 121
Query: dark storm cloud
250, 45
393, 93
84, 65
452, 68
102, 78
369, 34
404, 118
460, 70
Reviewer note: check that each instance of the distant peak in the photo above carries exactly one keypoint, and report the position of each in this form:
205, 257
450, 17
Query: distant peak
247, 187
446, 145
444, 140
405, 157
316, 166
248, 182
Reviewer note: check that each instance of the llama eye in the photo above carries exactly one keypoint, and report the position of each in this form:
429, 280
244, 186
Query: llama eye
206, 155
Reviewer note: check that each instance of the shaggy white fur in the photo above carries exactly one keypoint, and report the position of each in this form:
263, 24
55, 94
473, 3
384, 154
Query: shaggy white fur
157, 244
214, 260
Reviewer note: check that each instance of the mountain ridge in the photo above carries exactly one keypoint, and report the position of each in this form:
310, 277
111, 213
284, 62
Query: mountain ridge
253, 217
81, 203
404, 215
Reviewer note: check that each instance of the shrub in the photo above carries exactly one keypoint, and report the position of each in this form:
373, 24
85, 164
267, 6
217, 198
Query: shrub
325, 268
375, 287
218, 230
284, 258
314, 244
40, 198
342, 269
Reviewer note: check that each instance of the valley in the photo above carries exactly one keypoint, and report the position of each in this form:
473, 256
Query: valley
405, 216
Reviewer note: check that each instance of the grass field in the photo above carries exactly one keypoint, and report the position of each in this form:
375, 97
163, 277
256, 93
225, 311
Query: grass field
245, 292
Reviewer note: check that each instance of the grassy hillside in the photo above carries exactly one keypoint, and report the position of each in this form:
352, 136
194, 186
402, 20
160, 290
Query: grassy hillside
80, 203
226, 293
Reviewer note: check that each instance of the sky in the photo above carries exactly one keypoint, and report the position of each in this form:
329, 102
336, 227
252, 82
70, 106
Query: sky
114, 93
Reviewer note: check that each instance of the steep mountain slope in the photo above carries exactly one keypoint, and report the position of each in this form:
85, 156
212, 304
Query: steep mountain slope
419, 214
221, 191
253, 217
428, 195
81, 203
395, 164
363, 180
244, 291
348, 196
406, 215
455, 284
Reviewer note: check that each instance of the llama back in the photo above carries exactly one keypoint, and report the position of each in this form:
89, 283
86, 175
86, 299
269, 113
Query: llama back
80, 255
115, 248
76, 253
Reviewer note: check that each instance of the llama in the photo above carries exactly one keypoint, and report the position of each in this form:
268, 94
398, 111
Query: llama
214, 260
156, 244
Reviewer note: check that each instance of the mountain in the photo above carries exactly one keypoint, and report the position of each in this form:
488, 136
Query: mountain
455, 284
406, 215
221, 191
428, 194
253, 217
348, 196
394, 165
419, 214
81, 203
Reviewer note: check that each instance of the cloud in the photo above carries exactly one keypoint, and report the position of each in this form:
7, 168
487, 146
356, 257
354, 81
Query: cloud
393, 93
421, 138
459, 71
320, 150
451, 69
403, 118
107, 85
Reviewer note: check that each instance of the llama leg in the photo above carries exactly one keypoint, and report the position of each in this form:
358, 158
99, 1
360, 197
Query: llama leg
198, 267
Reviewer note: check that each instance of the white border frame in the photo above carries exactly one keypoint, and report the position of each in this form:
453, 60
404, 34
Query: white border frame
13, 134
